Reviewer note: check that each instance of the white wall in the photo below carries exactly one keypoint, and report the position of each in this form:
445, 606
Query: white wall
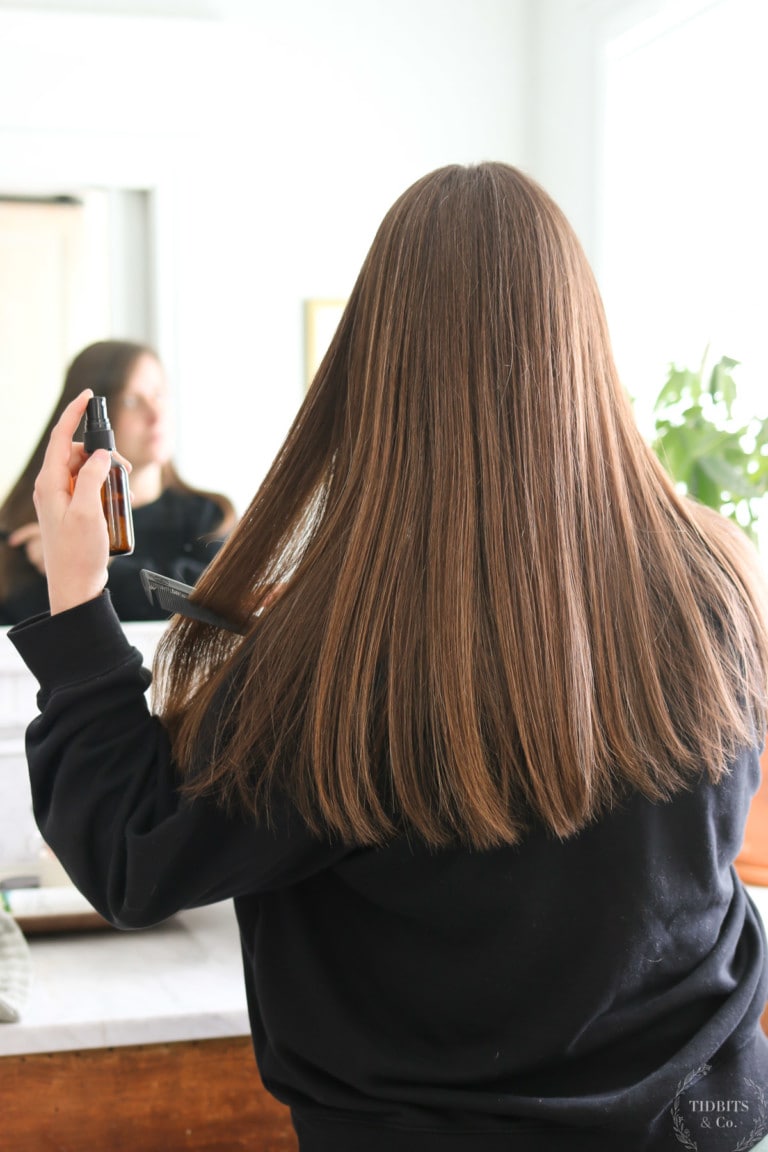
574, 57
564, 141
273, 144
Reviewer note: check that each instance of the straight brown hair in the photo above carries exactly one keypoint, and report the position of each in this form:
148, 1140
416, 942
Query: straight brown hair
493, 606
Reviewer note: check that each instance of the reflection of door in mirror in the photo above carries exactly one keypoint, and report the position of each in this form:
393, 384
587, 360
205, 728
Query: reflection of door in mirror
73, 269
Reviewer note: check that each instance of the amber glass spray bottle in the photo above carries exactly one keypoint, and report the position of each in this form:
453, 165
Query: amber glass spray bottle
115, 494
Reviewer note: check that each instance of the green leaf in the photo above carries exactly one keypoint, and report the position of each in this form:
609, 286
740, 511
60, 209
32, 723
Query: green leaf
720, 464
722, 386
732, 481
761, 434
703, 488
681, 384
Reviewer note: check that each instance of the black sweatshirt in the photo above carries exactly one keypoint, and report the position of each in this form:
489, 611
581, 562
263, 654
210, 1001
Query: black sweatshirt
602, 993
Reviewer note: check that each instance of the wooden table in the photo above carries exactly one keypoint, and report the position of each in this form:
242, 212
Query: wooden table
200, 1096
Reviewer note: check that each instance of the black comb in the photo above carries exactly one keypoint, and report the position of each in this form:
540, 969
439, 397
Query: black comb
173, 596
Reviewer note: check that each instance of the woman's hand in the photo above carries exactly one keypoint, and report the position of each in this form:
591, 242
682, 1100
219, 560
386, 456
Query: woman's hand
28, 537
68, 504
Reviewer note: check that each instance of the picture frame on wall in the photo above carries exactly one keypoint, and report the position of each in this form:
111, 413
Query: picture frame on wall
321, 319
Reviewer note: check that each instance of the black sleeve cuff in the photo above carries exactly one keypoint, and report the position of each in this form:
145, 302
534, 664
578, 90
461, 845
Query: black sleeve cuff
72, 646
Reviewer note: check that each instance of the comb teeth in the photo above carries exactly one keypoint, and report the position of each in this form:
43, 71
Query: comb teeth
173, 596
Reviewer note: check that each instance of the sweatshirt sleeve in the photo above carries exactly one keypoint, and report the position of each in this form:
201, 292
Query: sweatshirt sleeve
106, 792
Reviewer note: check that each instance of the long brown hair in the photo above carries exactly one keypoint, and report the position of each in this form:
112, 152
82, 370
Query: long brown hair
494, 606
105, 367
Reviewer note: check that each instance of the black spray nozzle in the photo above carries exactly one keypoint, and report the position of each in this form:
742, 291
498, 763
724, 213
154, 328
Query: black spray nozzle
97, 431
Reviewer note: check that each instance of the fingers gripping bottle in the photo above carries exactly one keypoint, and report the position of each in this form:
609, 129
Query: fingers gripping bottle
115, 494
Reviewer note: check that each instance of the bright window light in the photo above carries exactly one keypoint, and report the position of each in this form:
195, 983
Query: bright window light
683, 260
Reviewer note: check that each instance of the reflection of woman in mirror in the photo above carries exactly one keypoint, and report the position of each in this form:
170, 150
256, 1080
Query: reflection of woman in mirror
178, 528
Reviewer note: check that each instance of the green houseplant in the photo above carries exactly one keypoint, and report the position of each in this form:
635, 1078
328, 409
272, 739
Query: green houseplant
716, 458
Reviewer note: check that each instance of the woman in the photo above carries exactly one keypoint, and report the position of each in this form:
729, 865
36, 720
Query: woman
477, 776
178, 528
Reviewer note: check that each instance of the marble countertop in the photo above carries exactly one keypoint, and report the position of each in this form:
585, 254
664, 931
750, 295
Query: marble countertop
181, 980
